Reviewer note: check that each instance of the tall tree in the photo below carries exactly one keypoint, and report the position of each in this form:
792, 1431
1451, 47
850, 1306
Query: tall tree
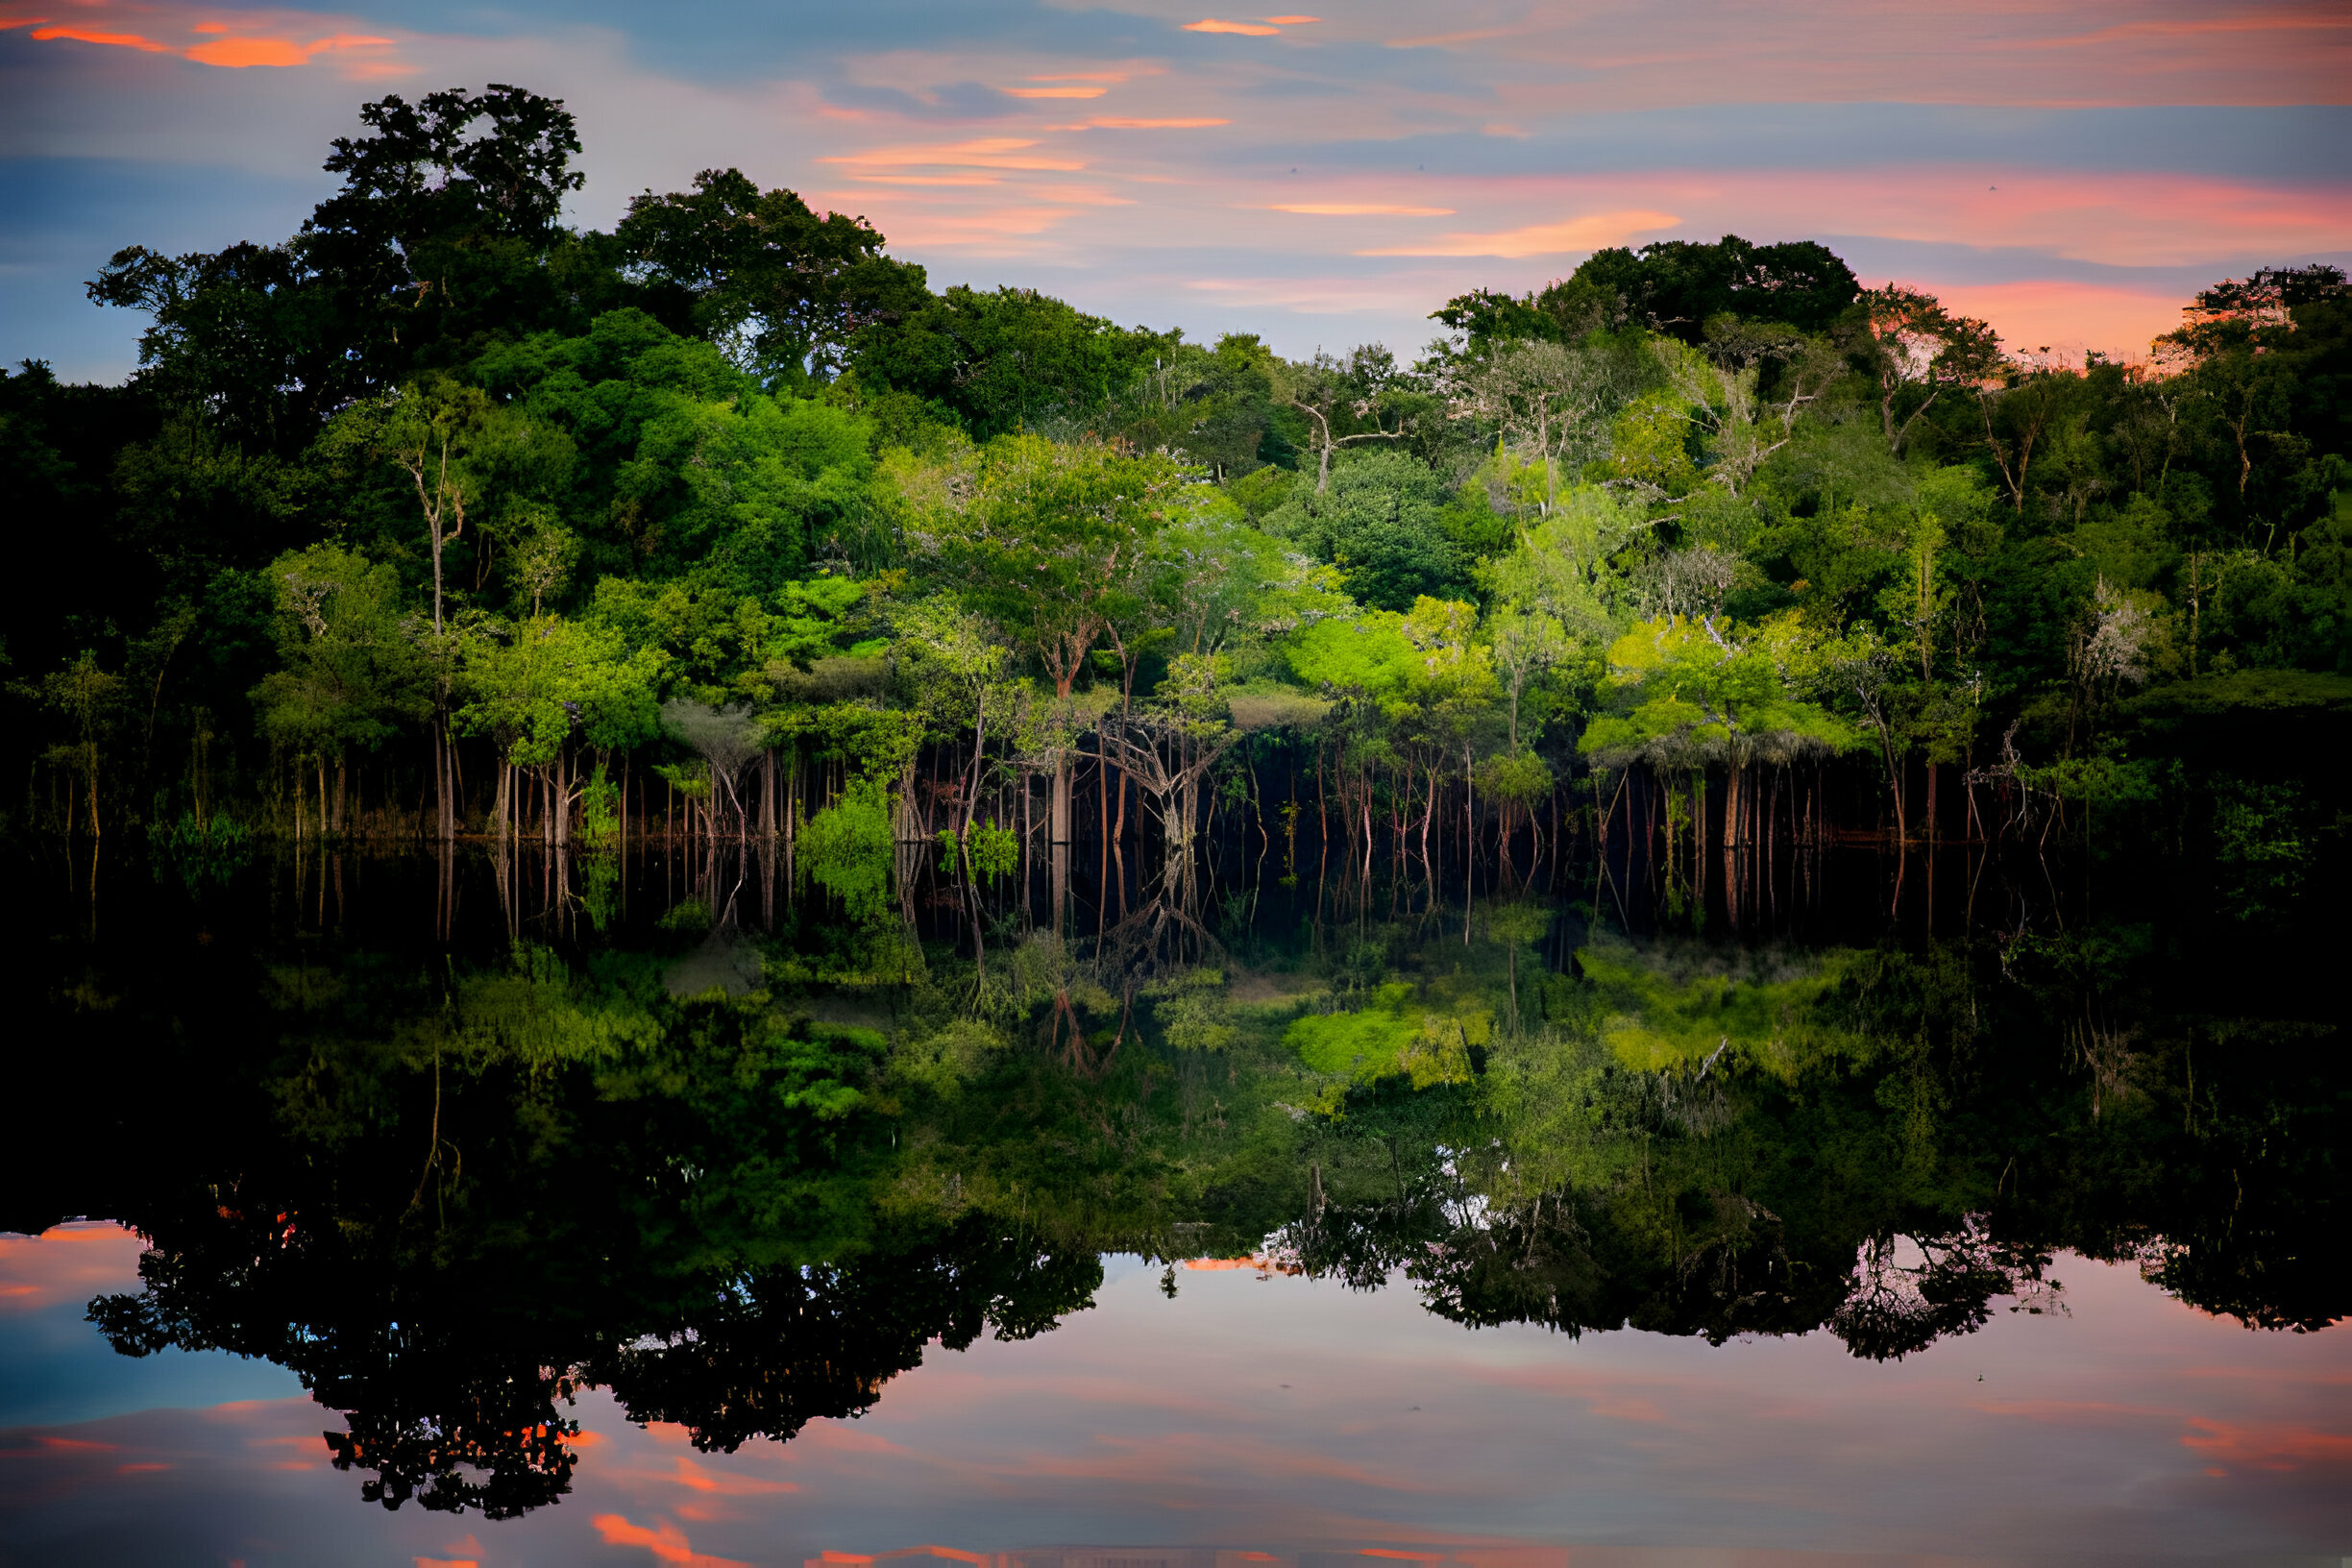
784, 289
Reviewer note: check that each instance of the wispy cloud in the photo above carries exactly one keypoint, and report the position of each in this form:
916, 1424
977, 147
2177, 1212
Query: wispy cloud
1360, 209
1590, 232
281, 40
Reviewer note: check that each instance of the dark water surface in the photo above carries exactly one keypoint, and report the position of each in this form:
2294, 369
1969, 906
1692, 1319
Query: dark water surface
671, 1208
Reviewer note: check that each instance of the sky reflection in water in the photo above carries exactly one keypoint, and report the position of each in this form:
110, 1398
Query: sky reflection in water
2096, 1413
1272, 1413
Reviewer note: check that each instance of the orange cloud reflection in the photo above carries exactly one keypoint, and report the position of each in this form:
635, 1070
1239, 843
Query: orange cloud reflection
69, 1263
665, 1540
2263, 1447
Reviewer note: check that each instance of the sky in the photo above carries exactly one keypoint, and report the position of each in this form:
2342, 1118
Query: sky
1269, 1413
2070, 173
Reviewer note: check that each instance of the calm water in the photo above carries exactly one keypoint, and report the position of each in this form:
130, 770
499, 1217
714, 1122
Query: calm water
676, 1210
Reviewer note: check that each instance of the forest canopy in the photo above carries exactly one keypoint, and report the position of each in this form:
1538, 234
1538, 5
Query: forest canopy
439, 516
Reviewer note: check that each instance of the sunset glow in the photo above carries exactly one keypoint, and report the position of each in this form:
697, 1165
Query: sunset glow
1518, 126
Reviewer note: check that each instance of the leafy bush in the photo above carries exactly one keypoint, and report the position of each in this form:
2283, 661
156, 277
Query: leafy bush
846, 847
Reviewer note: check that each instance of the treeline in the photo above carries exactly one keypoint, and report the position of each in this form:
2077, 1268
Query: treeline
441, 518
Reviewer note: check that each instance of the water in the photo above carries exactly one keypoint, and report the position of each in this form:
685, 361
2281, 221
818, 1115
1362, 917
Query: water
669, 1210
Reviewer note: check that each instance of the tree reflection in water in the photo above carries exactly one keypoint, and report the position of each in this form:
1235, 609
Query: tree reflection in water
451, 1183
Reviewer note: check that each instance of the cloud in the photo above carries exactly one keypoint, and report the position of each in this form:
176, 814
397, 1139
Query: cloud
665, 1540
119, 40
66, 1262
724, 1482
1590, 232
1054, 92
1109, 122
1214, 25
2268, 1447
1360, 209
231, 53
984, 152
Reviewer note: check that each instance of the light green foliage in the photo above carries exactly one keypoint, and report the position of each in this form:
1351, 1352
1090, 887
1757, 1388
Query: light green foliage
1425, 1039
553, 679
1369, 654
599, 807
350, 676
1649, 444
992, 851
1685, 694
1517, 777
1221, 580
1194, 1011
1568, 566
1671, 1008
847, 848
1057, 543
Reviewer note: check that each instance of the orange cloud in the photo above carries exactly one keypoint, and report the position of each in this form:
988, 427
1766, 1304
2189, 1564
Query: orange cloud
233, 53
237, 53
1212, 24
666, 1541
1055, 93
1359, 210
1590, 232
120, 41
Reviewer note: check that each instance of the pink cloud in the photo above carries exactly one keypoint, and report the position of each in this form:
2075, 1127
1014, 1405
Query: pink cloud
983, 153
2267, 1447
1589, 232
69, 1263
1213, 25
